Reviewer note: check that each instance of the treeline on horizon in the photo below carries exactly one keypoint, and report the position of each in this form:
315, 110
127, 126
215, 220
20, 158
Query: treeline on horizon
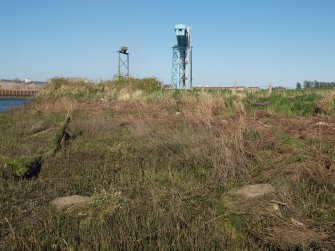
315, 85
15, 80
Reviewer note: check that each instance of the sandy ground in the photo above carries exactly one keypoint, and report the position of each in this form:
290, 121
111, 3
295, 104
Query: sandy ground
14, 86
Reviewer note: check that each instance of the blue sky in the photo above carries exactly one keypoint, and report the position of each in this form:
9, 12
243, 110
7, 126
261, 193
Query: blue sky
250, 42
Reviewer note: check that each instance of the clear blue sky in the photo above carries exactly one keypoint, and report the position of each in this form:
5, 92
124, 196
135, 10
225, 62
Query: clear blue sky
252, 42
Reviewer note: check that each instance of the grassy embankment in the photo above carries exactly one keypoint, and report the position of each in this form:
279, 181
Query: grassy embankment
158, 163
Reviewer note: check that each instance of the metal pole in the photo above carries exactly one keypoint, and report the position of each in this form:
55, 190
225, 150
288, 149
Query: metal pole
127, 65
191, 69
119, 71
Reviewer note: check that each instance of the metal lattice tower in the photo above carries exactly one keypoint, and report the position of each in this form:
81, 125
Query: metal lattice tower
123, 64
182, 58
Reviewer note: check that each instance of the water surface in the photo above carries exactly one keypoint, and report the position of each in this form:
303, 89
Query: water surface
7, 104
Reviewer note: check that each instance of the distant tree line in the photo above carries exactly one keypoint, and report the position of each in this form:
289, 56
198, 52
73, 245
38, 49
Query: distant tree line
316, 85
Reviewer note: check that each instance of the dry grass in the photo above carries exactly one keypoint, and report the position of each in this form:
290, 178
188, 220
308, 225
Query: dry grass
55, 105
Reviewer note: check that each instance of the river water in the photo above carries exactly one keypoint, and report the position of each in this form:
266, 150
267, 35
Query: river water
7, 104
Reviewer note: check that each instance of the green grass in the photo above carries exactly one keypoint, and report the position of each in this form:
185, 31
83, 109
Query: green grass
289, 103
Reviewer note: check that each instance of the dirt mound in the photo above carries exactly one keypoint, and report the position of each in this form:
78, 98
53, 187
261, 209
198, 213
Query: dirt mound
272, 221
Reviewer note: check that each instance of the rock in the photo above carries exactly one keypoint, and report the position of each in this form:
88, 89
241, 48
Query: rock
321, 123
252, 199
252, 191
70, 202
84, 208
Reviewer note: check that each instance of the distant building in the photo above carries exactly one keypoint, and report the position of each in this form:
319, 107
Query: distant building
279, 88
238, 88
253, 88
27, 80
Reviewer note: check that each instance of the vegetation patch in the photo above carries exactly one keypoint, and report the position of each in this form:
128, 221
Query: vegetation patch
285, 103
160, 168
